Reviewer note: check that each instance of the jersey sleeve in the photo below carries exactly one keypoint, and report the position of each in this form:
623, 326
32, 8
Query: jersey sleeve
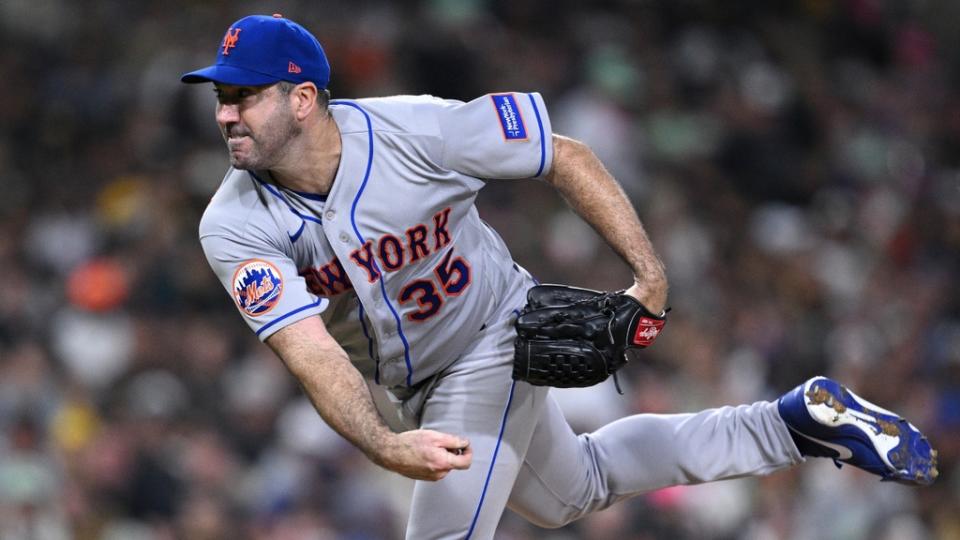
263, 283
503, 136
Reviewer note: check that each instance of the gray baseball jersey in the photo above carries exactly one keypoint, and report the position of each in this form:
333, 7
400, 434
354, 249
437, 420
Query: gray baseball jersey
421, 294
395, 256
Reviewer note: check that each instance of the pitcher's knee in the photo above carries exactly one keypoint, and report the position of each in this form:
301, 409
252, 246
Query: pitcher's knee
699, 469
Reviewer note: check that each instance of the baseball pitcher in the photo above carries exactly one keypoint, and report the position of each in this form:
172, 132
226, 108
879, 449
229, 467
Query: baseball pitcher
346, 234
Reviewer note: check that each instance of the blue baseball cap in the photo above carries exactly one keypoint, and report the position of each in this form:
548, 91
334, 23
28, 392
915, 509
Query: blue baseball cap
261, 49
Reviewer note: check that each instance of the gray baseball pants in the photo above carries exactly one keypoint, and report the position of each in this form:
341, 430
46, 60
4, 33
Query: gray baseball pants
527, 457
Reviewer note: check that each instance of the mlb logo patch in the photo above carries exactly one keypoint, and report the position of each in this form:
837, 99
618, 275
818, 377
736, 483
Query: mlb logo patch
257, 286
510, 118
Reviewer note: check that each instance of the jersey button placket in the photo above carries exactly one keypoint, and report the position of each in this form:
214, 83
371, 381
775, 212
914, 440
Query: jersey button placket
330, 215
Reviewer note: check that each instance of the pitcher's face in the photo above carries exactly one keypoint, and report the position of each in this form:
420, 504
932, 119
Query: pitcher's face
257, 122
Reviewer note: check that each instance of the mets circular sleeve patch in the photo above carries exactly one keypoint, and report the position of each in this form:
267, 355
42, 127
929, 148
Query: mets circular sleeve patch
257, 286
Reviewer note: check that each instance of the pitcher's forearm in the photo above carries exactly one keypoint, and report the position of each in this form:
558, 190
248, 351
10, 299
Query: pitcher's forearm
336, 390
593, 193
342, 398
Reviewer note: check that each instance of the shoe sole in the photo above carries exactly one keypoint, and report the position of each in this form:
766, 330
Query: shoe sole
904, 450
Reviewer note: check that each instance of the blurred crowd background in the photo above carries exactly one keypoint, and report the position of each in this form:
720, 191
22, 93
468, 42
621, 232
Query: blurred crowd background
797, 165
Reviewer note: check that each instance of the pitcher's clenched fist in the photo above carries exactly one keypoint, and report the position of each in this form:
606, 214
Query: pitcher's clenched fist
425, 454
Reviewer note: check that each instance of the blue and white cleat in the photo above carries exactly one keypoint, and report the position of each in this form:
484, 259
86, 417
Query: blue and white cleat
827, 420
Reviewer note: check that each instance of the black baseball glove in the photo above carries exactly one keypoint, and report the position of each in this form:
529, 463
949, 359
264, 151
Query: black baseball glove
572, 337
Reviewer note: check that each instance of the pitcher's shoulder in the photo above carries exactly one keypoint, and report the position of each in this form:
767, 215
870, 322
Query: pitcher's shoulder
406, 114
234, 203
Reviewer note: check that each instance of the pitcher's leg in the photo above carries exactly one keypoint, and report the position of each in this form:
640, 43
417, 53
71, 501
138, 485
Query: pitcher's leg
476, 398
566, 476
469, 503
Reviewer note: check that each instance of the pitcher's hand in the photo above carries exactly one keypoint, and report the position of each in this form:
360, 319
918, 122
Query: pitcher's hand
425, 454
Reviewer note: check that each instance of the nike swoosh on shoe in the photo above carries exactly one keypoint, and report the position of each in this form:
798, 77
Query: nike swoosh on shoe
843, 451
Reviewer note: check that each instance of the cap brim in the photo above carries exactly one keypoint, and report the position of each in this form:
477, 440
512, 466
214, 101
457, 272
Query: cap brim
224, 74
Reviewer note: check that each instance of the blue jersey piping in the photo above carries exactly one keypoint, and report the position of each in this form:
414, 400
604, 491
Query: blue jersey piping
493, 461
543, 143
366, 334
294, 312
303, 217
356, 231
311, 196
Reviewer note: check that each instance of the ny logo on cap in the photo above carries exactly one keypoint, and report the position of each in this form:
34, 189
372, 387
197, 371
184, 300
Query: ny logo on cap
230, 39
